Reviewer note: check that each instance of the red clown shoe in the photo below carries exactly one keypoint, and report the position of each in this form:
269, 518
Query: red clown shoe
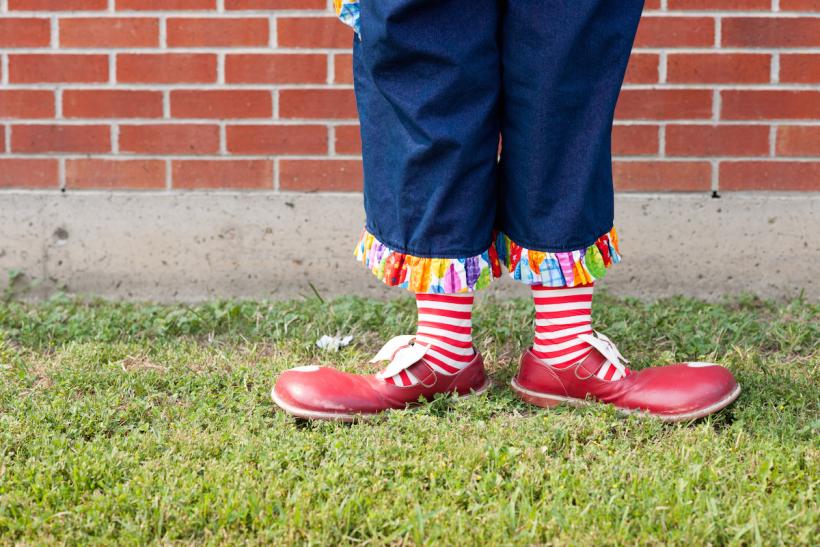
322, 393
672, 393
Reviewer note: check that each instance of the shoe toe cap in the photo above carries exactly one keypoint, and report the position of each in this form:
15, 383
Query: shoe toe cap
687, 387
319, 389
305, 387
710, 379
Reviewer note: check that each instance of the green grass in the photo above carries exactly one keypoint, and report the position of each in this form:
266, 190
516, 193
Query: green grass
124, 423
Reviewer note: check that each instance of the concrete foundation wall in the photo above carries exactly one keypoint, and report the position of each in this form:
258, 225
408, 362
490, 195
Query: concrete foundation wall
192, 246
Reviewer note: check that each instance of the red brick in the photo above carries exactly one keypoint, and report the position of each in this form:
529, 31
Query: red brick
717, 140
348, 139
55, 68
28, 173
770, 32
219, 103
800, 68
317, 103
24, 32
169, 139
166, 68
675, 31
665, 176
320, 175
234, 174
706, 5
343, 68
57, 5
114, 174
276, 68
274, 4
111, 103
26, 103
770, 175
793, 140
642, 69
277, 139
221, 32
770, 105
660, 104
718, 68
634, 140
652, 4
313, 32
158, 5
103, 32
2, 139
60, 138
800, 5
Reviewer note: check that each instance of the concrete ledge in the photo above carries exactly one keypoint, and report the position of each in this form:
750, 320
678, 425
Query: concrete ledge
193, 246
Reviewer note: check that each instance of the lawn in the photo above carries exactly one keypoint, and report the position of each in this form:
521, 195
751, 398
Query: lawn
123, 423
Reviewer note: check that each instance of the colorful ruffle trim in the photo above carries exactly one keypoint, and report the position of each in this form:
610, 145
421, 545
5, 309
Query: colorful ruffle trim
568, 269
348, 12
458, 275
427, 275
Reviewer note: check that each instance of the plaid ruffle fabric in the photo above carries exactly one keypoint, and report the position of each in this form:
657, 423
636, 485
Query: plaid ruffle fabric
348, 12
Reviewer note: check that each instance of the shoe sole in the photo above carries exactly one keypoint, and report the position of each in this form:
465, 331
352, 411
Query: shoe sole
550, 401
307, 414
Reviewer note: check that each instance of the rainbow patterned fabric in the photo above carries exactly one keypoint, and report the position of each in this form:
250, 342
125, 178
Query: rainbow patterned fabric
348, 12
458, 275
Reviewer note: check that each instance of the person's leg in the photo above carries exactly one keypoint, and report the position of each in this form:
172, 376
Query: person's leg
445, 326
427, 81
561, 314
562, 68
563, 65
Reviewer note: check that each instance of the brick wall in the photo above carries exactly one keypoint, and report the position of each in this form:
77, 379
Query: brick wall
721, 95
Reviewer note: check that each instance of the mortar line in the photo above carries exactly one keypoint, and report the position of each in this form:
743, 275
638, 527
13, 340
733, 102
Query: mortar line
773, 140
775, 68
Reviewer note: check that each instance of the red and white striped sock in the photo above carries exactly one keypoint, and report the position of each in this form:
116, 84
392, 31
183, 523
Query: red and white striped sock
445, 324
561, 314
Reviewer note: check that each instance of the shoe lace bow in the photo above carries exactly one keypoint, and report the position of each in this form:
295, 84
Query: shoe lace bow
607, 347
401, 353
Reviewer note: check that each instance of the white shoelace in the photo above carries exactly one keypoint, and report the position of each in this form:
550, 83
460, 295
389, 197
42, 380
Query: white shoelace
400, 353
607, 347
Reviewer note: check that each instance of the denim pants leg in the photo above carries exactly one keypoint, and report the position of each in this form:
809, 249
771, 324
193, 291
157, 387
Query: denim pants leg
437, 82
